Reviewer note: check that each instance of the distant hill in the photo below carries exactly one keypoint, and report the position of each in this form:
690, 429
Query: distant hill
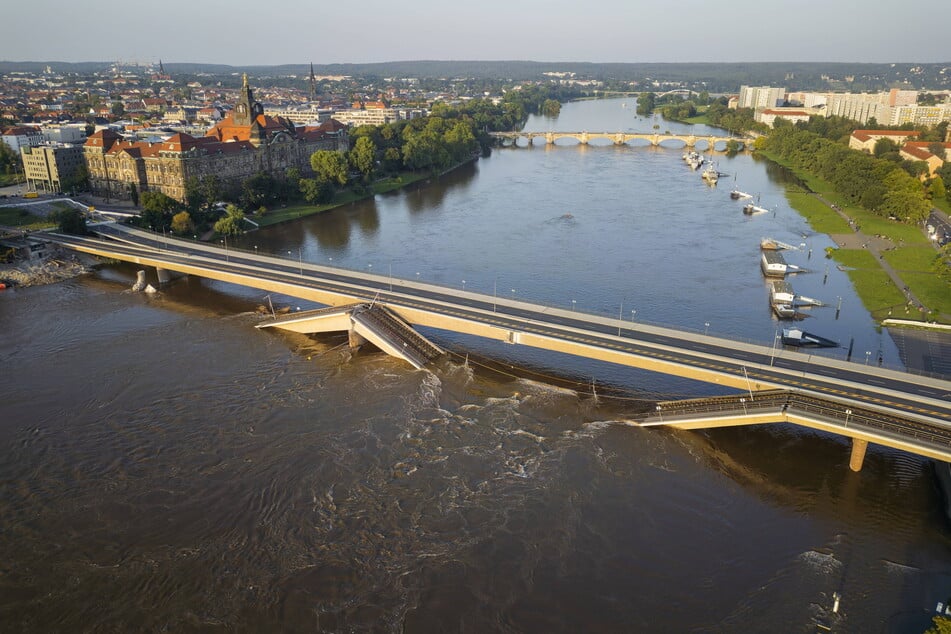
714, 76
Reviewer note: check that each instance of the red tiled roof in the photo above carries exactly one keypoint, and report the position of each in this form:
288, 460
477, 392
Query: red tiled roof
868, 135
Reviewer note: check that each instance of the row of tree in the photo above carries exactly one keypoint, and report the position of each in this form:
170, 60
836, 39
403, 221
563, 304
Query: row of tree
877, 184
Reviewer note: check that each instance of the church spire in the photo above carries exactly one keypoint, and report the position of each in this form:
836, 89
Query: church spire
313, 83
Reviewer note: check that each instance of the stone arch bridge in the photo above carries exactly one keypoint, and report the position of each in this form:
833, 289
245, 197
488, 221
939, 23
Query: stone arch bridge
617, 138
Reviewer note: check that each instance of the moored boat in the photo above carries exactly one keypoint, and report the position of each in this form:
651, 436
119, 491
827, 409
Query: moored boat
802, 339
773, 264
710, 174
737, 194
771, 244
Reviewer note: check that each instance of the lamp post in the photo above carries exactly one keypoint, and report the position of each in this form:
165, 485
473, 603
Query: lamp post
513, 294
224, 241
868, 353
633, 312
620, 312
743, 401
463, 285
706, 327
772, 356
848, 413
573, 302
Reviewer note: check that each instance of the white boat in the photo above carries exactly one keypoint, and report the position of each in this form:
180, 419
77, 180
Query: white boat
771, 244
802, 300
710, 174
773, 264
737, 195
750, 209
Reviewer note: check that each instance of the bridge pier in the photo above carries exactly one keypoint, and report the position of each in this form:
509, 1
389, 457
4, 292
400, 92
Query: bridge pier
858, 454
355, 339
165, 276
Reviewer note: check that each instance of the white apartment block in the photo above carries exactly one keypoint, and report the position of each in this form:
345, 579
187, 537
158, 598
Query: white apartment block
761, 97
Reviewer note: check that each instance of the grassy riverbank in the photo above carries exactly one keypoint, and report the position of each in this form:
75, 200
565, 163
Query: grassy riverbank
904, 248
294, 212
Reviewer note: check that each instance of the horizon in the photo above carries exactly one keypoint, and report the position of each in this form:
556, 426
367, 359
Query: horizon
605, 32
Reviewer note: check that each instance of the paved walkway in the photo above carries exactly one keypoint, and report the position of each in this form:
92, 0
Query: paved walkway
875, 245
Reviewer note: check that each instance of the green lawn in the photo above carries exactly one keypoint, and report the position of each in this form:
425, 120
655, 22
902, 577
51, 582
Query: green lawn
879, 294
931, 291
900, 233
23, 219
820, 217
911, 259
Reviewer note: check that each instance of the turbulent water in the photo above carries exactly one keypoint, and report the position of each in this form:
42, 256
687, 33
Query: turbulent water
168, 467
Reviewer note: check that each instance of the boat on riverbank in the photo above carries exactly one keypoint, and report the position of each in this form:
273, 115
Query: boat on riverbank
771, 244
802, 339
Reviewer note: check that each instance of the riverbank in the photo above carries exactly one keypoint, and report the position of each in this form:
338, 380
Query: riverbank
58, 266
888, 262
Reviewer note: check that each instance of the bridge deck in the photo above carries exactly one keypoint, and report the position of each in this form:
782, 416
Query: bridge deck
901, 397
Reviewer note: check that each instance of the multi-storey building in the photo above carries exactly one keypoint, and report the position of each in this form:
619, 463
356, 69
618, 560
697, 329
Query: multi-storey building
21, 136
242, 144
52, 167
761, 97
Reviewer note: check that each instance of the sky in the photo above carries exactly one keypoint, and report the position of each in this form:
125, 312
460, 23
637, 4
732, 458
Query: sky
243, 33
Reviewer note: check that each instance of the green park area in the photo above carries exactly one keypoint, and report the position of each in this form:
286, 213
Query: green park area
22, 219
909, 253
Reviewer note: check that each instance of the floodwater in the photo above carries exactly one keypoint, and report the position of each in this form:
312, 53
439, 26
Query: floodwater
166, 466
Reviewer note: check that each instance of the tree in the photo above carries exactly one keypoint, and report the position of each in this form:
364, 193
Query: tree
118, 109
231, 223
937, 148
551, 108
70, 221
884, 146
329, 165
937, 189
363, 156
134, 194
182, 223
315, 190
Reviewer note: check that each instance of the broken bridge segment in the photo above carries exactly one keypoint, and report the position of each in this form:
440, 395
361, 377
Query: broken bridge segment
364, 322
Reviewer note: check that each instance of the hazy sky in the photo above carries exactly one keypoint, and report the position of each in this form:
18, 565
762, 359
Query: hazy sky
298, 31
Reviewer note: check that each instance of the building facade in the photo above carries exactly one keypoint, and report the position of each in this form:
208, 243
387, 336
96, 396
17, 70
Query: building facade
52, 167
242, 144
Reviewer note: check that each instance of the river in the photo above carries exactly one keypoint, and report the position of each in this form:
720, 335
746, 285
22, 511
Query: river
169, 467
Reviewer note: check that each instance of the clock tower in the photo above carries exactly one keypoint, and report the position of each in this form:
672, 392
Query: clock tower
247, 109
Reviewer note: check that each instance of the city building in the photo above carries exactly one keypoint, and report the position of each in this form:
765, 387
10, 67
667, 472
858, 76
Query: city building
865, 139
242, 144
21, 136
921, 151
793, 115
52, 167
761, 97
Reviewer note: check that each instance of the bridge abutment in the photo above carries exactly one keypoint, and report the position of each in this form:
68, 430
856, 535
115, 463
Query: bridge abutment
857, 458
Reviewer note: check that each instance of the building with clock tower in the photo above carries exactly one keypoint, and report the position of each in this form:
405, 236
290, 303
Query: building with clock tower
244, 143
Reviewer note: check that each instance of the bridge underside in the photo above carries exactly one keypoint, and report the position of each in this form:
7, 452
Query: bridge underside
863, 426
364, 322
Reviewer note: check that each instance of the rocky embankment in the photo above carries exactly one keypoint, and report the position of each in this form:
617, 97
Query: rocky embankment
58, 266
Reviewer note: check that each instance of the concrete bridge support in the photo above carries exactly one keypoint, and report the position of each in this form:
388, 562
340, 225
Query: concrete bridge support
355, 339
165, 276
858, 454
